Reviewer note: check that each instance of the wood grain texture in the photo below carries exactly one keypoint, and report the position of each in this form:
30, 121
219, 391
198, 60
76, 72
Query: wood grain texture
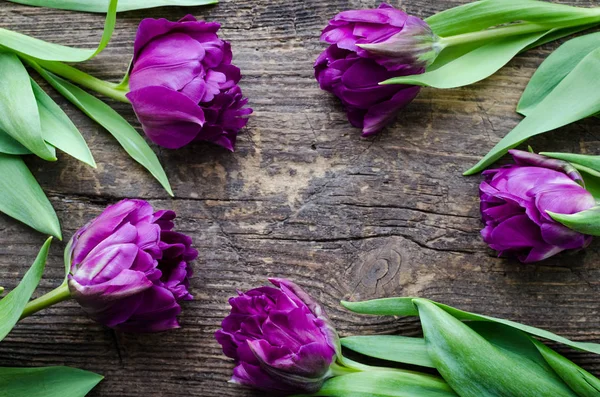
304, 197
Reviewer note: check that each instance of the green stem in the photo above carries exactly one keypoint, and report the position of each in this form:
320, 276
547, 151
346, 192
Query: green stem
53, 297
111, 90
511, 30
491, 34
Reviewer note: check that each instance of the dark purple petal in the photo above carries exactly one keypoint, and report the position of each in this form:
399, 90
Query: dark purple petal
527, 158
169, 118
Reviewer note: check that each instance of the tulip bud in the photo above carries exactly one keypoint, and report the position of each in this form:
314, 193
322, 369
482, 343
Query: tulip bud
281, 339
516, 201
415, 45
183, 85
368, 47
129, 269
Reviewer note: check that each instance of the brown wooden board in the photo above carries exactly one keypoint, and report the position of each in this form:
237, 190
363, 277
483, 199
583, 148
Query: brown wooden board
304, 197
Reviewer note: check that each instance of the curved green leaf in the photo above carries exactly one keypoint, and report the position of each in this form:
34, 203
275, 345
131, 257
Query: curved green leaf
22, 198
577, 96
12, 305
47, 382
114, 123
473, 66
59, 130
479, 15
400, 349
405, 307
578, 379
40, 49
101, 5
19, 116
9, 146
473, 367
586, 222
386, 384
555, 68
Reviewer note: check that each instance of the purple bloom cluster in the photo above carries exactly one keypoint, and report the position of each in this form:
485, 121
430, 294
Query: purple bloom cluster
183, 85
281, 339
514, 204
130, 269
368, 47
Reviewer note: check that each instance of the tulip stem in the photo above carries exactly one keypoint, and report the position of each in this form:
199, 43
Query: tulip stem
509, 31
53, 297
108, 89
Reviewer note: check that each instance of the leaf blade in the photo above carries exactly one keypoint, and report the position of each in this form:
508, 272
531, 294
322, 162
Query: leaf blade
113, 122
40, 49
19, 115
47, 382
395, 348
12, 305
9, 145
578, 97
473, 367
101, 6
59, 130
22, 198
555, 68
403, 306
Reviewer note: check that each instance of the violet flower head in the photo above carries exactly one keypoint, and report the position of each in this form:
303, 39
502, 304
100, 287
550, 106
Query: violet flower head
514, 204
368, 47
183, 85
281, 339
130, 269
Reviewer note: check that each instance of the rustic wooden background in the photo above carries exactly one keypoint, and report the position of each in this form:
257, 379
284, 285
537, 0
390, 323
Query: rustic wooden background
304, 197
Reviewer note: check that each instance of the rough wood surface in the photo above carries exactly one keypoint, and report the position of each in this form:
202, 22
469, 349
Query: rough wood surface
304, 197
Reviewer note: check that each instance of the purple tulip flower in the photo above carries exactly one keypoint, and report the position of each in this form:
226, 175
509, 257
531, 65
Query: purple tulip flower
281, 339
514, 204
129, 269
183, 85
368, 47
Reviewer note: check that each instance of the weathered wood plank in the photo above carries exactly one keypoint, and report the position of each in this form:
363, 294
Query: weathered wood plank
304, 197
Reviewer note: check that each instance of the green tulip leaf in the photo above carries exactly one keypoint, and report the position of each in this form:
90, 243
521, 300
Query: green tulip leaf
12, 305
473, 367
400, 349
36, 48
586, 222
9, 145
47, 382
386, 384
102, 5
472, 66
59, 130
405, 307
113, 122
577, 96
578, 379
480, 15
22, 198
555, 68
19, 116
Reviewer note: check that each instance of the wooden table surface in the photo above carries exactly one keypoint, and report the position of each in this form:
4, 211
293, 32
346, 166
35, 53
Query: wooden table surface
304, 197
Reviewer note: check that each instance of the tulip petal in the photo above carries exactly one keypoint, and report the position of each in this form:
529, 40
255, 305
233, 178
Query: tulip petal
157, 312
517, 232
170, 61
564, 199
126, 283
562, 237
169, 118
102, 227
